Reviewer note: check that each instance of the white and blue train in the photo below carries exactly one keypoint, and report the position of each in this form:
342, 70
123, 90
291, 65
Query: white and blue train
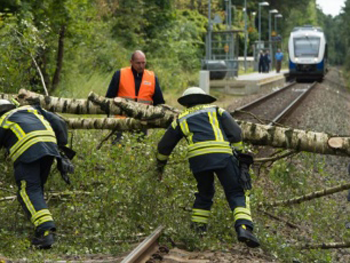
307, 48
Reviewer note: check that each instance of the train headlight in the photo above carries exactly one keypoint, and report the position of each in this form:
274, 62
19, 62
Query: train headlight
315, 59
296, 59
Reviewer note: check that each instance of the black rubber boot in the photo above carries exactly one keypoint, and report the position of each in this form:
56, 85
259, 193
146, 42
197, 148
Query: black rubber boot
199, 228
43, 240
245, 234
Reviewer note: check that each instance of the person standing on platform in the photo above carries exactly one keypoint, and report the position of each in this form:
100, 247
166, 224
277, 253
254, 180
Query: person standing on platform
267, 61
261, 62
279, 58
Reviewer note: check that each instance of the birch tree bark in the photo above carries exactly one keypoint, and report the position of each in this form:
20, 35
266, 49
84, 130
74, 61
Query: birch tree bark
98, 105
114, 124
295, 139
57, 104
135, 110
7, 96
256, 134
146, 116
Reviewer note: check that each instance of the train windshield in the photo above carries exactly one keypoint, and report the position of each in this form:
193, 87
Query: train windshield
306, 47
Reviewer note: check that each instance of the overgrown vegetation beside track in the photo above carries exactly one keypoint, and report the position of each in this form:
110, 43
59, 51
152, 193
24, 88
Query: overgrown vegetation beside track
116, 197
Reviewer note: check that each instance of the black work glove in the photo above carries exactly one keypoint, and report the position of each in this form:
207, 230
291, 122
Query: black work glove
160, 168
245, 160
244, 177
65, 166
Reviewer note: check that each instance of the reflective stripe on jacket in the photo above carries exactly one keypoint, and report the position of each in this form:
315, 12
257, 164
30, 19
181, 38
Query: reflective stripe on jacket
203, 132
127, 86
28, 128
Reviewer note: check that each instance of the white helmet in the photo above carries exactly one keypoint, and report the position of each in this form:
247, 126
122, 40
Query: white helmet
194, 96
5, 106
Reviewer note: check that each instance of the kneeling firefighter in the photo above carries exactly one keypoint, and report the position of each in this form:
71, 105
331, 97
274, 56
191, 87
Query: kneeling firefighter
33, 138
209, 131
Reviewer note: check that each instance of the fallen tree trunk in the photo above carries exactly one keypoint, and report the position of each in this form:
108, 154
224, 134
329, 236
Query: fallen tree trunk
98, 105
298, 140
127, 124
135, 110
7, 96
56, 104
295, 139
161, 117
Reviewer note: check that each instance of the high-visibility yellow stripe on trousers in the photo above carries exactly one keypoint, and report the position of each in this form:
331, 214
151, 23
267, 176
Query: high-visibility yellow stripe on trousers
200, 215
25, 198
41, 216
242, 213
37, 217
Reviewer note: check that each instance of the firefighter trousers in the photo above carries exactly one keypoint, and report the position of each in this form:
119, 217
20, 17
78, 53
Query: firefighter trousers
235, 195
30, 179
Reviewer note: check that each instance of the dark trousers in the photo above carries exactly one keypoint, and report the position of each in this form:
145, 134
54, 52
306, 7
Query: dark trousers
228, 178
30, 179
261, 67
278, 66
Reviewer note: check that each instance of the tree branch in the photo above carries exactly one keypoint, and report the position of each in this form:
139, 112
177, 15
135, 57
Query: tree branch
307, 197
275, 158
41, 75
51, 195
279, 219
325, 245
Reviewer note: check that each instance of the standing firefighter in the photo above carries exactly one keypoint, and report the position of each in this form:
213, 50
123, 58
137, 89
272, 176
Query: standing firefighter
209, 130
32, 137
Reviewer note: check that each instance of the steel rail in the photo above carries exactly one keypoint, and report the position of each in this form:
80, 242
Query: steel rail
292, 105
145, 249
262, 99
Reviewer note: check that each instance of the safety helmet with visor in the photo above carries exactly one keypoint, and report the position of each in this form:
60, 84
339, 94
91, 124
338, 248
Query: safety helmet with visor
5, 106
193, 96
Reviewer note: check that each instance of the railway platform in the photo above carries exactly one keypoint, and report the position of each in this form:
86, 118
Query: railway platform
250, 83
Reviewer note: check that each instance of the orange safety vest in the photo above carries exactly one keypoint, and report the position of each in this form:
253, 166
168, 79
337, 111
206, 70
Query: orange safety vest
127, 86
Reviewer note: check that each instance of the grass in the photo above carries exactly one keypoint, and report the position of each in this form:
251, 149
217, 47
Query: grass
126, 200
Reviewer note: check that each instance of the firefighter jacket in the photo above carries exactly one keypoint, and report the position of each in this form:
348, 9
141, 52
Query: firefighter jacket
127, 86
209, 132
30, 133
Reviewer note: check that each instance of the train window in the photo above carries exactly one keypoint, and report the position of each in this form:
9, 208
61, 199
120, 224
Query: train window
306, 47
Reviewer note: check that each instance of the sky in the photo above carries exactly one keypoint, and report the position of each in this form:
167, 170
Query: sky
331, 7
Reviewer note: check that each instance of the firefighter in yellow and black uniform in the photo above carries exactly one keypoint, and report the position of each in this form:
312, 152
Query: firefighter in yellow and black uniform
31, 136
209, 131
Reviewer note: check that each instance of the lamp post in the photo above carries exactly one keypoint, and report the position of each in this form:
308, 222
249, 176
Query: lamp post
260, 5
273, 11
245, 36
210, 28
253, 14
277, 16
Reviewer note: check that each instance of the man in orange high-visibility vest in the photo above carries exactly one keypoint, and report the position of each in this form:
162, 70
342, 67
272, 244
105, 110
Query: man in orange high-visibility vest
136, 83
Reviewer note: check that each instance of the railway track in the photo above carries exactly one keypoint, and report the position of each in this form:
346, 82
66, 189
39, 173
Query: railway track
148, 251
272, 108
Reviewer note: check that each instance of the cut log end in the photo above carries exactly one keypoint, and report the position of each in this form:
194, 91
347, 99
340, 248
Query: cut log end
336, 142
118, 99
